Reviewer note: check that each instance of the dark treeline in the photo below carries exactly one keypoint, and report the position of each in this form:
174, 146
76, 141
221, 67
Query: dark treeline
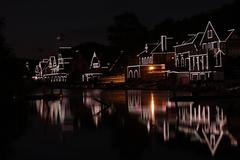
13, 90
223, 18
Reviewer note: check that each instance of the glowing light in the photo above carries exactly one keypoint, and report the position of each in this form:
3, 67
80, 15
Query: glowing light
152, 108
148, 126
35, 77
151, 68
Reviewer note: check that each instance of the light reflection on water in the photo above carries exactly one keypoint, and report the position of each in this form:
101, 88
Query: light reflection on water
205, 123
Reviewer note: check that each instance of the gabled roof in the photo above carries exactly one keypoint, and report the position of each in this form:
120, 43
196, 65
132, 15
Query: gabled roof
198, 38
94, 61
151, 48
209, 25
191, 39
226, 35
195, 38
222, 36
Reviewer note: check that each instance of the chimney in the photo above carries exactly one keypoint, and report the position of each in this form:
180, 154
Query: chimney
164, 43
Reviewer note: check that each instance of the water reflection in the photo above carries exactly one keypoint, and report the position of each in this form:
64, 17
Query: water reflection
55, 112
204, 123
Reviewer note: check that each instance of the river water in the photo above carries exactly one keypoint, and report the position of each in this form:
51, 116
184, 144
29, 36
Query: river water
129, 124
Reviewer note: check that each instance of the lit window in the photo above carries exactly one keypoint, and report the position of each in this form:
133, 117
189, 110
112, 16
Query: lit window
177, 62
210, 46
204, 46
182, 62
209, 33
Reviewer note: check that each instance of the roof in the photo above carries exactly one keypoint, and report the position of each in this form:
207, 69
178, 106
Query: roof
151, 48
195, 38
225, 35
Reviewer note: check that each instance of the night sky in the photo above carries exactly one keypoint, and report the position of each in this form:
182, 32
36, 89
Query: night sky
32, 25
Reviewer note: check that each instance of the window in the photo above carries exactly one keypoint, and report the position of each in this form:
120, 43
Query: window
187, 62
197, 62
209, 34
218, 59
177, 62
204, 46
202, 62
210, 46
149, 60
190, 63
215, 45
135, 74
130, 74
206, 60
145, 60
182, 62
193, 63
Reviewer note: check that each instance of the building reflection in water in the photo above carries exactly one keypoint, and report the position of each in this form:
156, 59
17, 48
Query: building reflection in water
102, 103
201, 122
151, 106
206, 124
68, 112
55, 111
94, 104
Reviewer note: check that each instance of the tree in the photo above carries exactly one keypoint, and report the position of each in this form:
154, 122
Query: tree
4, 50
127, 33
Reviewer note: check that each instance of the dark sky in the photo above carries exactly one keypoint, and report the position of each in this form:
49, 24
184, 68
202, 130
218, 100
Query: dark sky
34, 24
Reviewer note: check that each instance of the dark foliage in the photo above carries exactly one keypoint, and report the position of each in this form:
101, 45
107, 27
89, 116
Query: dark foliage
127, 34
223, 18
14, 86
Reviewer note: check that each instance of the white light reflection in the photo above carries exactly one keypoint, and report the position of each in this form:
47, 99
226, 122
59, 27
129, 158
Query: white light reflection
57, 111
207, 125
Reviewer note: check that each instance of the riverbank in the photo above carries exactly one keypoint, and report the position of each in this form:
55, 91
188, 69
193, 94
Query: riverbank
231, 86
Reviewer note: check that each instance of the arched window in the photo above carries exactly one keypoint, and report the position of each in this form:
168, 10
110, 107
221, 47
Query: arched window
218, 59
130, 74
186, 62
135, 74
177, 62
182, 62
151, 59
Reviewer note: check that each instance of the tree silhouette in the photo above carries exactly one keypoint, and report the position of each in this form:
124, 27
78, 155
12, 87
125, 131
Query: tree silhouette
221, 17
4, 50
13, 90
127, 33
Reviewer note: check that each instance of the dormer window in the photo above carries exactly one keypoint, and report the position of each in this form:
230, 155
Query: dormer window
204, 46
209, 34
95, 63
